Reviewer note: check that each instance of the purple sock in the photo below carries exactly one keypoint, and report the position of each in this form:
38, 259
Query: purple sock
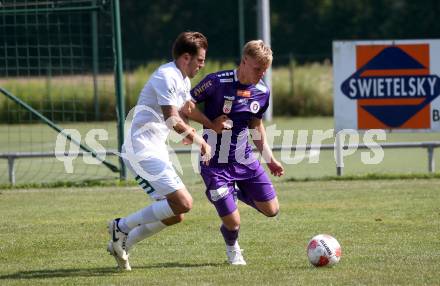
230, 236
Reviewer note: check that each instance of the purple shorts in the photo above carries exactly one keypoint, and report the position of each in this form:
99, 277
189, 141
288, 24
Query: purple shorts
251, 180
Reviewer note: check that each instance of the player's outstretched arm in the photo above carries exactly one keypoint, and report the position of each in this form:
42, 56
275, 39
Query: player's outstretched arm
260, 141
191, 111
185, 118
174, 121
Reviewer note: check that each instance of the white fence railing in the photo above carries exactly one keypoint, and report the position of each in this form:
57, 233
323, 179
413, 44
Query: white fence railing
429, 146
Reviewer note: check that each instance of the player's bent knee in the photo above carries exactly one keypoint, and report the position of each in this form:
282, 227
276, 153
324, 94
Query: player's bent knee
270, 208
180, 201
186, 204
232, 221
232, 225
181, 207
272, 212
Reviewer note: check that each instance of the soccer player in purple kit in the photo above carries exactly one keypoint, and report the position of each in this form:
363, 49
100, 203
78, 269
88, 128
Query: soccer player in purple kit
243, 97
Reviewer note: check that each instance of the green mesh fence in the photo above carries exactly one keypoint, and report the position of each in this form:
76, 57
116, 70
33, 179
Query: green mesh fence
57, 56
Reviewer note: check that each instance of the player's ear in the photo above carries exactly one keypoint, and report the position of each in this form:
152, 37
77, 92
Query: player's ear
186, 57
243, 60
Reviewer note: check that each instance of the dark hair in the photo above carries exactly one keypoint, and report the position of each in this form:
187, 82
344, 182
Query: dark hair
189, 42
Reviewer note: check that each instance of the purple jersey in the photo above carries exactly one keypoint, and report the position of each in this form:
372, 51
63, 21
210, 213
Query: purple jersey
222, 93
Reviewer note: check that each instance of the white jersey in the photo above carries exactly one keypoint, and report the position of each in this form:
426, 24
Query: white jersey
166, 86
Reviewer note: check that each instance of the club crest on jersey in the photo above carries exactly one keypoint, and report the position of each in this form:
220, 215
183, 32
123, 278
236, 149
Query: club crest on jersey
255, 106
227, 106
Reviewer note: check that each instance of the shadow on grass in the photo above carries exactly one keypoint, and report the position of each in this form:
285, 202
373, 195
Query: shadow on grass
182, 265
54, 273
90, 272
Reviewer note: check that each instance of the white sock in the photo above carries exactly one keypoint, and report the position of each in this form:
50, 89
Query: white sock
142, 232
233, 247
157, 211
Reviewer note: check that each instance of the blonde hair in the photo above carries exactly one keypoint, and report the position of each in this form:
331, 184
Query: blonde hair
257, 50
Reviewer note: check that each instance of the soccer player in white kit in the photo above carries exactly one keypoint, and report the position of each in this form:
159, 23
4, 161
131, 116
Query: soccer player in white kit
145, 150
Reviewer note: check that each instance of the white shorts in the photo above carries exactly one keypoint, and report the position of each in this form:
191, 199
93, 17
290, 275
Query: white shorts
156, 176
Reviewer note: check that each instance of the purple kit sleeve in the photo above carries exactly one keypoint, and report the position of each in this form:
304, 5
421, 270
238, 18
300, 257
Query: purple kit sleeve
204, 88
263, 108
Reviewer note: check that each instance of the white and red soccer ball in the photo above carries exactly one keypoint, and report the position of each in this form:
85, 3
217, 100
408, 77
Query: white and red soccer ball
323, 250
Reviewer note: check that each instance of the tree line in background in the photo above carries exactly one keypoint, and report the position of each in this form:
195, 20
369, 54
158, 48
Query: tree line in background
302, 35
304, 29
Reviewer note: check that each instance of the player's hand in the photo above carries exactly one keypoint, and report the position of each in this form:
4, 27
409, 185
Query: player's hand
220, 123
275, 168
186, 140
205, 151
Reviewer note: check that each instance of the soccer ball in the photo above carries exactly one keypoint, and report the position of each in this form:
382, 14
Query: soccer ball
323, 250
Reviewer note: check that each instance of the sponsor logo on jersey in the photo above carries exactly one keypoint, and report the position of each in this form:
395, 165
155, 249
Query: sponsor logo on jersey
392, 86
227, 106
171, 90
244, 93
243, 100
223, 80
202, 88
255, 106
229, 97
218, 193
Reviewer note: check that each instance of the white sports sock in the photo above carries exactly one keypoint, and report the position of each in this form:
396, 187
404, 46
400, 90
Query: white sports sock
142, 232
157, 211
233, 247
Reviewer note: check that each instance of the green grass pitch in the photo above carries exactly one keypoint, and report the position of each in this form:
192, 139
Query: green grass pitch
389, 232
